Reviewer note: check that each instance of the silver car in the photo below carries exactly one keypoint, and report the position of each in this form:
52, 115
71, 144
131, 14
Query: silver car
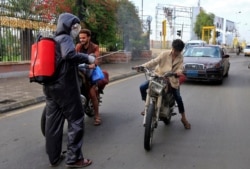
246, 50
206, 63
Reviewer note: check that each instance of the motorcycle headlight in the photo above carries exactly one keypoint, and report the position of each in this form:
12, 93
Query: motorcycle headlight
156, 87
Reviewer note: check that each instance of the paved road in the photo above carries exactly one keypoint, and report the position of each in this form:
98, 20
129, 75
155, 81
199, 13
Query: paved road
219, 137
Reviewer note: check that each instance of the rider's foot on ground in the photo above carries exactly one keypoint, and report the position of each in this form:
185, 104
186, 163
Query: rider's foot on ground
97, 121
79, 164
186, 124
143, 113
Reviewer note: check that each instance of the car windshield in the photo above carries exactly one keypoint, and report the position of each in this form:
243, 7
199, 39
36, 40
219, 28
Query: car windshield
248, 47
212, 52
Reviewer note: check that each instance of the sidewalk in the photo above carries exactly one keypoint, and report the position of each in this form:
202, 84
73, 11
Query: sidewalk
18, 92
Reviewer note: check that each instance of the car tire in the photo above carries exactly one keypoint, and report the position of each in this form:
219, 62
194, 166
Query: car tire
220, 81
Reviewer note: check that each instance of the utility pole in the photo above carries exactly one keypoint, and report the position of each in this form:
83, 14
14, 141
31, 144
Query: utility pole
142, 10
80, 9
181, 31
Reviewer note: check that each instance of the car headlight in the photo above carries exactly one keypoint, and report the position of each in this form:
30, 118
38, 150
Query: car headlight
213, 65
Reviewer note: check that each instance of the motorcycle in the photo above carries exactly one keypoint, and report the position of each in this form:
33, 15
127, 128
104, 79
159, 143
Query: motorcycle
159, 105
86, 101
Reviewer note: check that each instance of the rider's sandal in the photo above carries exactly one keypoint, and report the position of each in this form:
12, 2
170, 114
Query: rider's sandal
186, 124
97, 121
80, 164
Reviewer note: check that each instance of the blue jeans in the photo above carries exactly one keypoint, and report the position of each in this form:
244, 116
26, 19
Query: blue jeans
176, 94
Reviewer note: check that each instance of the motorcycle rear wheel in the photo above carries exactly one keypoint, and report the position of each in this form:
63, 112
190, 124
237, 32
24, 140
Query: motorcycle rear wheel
149, 127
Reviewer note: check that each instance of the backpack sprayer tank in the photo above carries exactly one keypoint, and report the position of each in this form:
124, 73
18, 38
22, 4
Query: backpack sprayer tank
43, 60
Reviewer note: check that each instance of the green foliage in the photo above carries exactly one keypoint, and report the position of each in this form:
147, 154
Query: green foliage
203, 19
10, 58
129, 25
140, 43
10, 48
22, 7
100, 19
113, 23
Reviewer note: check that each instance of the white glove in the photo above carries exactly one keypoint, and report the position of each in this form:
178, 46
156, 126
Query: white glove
91, 59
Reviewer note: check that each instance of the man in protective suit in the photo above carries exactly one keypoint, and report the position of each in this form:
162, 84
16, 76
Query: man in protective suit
63, 97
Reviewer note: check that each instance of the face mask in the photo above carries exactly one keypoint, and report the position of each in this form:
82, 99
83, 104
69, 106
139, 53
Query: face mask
75, 29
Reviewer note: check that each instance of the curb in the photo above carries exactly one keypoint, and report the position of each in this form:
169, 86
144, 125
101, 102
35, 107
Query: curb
40, 99
22, 104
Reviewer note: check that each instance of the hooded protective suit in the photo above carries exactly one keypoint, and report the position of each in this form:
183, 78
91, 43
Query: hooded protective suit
63, 96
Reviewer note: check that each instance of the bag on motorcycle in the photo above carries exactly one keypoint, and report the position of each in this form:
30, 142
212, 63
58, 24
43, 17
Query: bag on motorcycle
97, 74
182, 79
43, 60
102, 83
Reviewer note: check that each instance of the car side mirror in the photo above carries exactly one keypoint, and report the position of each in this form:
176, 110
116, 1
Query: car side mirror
226, 56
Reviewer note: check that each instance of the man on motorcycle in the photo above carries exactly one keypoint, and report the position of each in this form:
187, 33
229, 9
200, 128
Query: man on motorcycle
86, 46
169, 62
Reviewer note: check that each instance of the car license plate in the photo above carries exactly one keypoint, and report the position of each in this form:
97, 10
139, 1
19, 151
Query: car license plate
192, 73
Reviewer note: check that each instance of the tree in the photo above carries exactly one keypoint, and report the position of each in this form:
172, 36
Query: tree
22, 8
113, 23
203, 19
49, 10
130, 26
100, 18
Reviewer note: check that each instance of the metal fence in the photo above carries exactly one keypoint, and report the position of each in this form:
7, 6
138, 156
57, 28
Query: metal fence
18, 31
17, 35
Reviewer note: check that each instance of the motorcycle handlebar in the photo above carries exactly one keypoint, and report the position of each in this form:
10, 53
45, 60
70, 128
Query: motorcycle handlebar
169, 74
138, 68
146, 70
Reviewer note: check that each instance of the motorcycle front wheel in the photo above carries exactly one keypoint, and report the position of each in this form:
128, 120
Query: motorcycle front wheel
43, 121
149, 127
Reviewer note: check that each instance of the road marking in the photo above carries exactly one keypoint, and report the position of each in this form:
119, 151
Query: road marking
20, 111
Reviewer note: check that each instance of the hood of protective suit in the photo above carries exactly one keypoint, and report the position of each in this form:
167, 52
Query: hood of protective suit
65, 22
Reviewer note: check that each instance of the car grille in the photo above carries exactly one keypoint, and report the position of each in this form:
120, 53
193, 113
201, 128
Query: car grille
193, 66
